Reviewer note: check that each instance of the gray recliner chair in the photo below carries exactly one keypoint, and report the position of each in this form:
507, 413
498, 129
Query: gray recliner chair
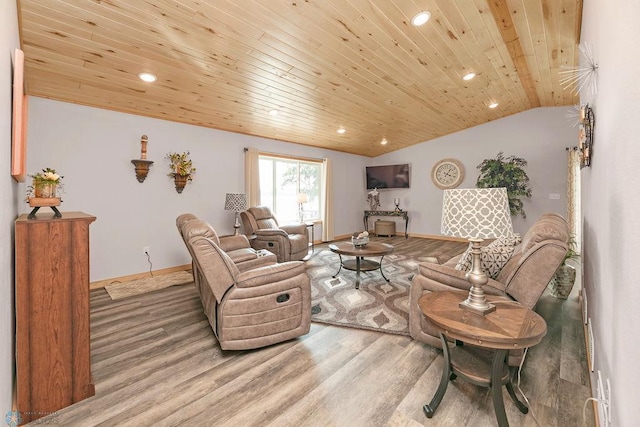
253, 308
523, 278
289, 242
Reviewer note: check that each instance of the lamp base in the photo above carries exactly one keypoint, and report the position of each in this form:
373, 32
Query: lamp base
237, 225
476, 301
481, 308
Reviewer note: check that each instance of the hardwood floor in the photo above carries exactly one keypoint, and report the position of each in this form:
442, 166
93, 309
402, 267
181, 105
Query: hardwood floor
155, 361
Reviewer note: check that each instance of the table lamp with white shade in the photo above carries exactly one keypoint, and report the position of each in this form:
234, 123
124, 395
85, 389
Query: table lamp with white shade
236, 202
302, 199
476, 214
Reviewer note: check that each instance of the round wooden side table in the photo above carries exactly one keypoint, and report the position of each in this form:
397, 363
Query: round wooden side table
490, 337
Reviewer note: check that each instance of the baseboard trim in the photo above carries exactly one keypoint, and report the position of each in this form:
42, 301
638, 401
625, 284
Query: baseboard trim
102, 283
420, 236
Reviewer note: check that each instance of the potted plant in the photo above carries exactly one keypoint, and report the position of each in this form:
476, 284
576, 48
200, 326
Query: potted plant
565, 276
45, 184
182, 169
509, 173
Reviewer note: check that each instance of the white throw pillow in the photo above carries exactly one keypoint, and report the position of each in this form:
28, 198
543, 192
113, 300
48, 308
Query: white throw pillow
493, 256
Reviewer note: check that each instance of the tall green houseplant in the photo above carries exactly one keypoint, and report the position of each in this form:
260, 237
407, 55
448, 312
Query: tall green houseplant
506, 172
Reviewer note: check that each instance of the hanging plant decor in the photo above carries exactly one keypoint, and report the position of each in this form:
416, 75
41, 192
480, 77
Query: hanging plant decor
182, 169
509, 173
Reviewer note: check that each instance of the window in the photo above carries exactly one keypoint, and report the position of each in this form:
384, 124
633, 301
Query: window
282, 179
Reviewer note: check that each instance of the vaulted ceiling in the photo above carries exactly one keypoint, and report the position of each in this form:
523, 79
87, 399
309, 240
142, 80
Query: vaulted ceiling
359, 65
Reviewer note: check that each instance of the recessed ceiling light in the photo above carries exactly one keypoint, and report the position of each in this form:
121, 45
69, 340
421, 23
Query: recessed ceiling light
384, 141
147, 77
493, 105
420, 19
273, 112
469, 76
341, 131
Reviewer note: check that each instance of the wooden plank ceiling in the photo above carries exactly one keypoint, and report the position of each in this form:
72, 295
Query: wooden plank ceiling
323, 64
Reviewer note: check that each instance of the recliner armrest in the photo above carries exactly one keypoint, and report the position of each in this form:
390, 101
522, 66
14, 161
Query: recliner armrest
231, 243
271, 232
452, 277
269, 274
294, 228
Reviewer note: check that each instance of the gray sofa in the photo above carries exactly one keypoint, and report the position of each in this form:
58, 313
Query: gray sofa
523, 278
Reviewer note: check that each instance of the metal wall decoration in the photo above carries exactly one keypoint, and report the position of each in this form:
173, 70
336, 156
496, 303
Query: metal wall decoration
585, 145
584, 76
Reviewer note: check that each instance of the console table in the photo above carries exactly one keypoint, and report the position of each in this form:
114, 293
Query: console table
403, 214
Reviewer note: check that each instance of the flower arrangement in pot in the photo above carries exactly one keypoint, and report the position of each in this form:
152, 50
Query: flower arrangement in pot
45, 184
182, 169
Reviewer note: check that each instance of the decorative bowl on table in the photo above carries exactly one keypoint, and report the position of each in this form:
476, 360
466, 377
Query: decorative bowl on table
360, 239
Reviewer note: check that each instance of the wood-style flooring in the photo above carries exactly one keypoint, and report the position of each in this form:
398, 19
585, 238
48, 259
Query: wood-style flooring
156, 362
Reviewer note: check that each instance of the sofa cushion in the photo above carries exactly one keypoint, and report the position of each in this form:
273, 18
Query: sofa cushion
493, 257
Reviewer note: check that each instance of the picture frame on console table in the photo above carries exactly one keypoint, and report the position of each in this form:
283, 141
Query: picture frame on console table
19, 120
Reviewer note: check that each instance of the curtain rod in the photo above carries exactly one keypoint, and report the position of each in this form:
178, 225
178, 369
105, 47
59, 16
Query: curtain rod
287, 156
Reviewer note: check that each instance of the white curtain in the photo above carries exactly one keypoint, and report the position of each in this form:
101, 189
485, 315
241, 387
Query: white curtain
252, 176
573, 196
327, 201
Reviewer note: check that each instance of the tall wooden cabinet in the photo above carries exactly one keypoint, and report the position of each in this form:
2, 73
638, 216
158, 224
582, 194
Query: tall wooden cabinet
53, 360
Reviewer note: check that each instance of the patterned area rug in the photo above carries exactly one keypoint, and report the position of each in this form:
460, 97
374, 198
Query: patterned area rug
377, 305
149, 284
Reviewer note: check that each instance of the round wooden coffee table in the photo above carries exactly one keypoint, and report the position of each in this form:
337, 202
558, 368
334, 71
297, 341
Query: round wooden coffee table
372, 249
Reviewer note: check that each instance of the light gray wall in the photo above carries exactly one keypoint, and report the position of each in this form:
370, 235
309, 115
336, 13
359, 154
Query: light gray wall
93, 148
611, 202
8, 203
540, 136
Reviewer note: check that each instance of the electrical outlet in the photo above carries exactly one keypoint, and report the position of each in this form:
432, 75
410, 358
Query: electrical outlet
145, 250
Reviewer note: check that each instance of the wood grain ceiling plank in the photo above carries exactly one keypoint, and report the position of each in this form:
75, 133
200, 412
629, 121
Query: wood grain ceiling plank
497, 74
224, 64
397, 54
535, 20
552, 12
502, 15
524, 30
109, 32
488, 83
570, 15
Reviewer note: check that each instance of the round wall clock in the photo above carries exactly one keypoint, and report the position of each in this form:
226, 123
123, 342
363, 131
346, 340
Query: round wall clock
447, 173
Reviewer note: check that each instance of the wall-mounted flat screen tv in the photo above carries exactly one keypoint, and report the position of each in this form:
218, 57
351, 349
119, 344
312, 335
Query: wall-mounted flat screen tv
387, 176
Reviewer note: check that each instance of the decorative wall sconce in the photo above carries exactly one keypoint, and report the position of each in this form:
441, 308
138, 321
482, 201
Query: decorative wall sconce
585, 145
142, 164
181, 168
